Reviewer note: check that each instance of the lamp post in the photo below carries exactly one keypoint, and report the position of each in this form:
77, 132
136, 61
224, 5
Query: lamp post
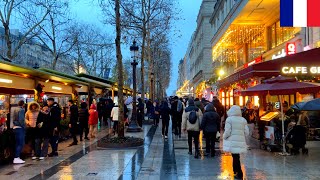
133, 125
151, 87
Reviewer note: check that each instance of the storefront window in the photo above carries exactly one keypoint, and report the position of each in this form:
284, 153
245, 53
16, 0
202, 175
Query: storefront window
26, 97
280, 35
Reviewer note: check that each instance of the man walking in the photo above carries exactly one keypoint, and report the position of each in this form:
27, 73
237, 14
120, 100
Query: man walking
74, 122
191, 120
18, 125
55, 117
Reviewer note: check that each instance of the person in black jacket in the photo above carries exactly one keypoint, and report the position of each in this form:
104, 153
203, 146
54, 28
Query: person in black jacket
74, 123
140, 112
54, 125
219, 109
165, 115
107, 114
210, 125
43, 133
101, 108
84, 120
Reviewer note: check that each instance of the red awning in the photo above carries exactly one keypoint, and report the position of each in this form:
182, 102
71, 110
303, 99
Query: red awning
271, 68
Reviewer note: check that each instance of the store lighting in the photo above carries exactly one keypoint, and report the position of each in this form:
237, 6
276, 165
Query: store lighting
5, 80
66, 84
47, 80
25, 96
221, 72
256, 101
241, 100
56, 88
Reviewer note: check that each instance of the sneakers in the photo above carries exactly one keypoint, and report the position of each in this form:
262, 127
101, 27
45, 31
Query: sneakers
41, 158
34, 158
18, 161
166, 137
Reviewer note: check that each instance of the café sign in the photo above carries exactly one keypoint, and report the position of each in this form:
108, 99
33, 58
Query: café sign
300, 70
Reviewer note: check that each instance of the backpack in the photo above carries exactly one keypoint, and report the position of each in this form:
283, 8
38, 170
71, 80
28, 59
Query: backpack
193, 116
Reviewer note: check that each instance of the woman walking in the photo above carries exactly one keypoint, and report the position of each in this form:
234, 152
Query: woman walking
115, 118
93, 121
234, 136
31, 122
43, 134
165, 115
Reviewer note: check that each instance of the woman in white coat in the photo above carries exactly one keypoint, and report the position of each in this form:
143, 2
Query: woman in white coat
234, 136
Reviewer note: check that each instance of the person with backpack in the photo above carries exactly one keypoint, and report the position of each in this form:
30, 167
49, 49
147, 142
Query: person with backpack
18, 125
191, 120
165, 116
234, 138
210, 125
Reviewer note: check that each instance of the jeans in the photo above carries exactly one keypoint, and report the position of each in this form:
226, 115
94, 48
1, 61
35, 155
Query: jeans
115, 126
236, 165
210, 142
54, 140
165, 126
195, 136
41, 152
179, 121
19, 134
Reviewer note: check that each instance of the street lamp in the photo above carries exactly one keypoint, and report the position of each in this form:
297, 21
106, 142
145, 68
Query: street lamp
133, 125
151, 88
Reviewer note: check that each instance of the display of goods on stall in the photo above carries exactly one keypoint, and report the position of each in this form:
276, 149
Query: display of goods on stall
39, 93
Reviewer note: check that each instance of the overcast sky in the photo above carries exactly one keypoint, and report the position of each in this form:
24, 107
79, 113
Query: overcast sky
89, 12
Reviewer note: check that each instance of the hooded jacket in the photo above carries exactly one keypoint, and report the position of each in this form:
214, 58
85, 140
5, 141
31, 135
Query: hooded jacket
93, 115
55, 116
211, 120
44, 130
32, 115
236, 129
185, 117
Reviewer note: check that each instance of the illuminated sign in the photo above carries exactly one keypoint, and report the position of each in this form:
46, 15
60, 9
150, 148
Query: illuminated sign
301, 70
291, 48
280, 54
56, 88
255, 61
5, 80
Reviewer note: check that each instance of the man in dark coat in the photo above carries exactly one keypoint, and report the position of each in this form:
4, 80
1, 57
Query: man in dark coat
219, 109
102, 107
73, 124
84, 120
210, 125
176, 116
140, 112
55, 118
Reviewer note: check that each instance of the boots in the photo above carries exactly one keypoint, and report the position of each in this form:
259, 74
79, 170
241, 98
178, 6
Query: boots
196, 154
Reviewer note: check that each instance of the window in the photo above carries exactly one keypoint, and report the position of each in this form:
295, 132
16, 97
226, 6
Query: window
280, 35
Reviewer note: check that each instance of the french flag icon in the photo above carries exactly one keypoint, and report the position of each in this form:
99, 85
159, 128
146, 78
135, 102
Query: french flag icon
300, 13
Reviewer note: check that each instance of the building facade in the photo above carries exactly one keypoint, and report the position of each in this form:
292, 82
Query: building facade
246, 33
198, 61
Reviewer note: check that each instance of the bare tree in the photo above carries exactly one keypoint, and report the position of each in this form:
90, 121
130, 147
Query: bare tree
53, 32
30, 13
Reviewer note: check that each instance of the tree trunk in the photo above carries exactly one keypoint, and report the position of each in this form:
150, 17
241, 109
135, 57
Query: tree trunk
120, 71
8, 41
144, 34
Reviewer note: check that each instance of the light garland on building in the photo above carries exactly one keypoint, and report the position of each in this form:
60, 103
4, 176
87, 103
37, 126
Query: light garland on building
225, 50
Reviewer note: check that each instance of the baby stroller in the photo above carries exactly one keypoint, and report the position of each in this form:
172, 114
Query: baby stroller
296, 139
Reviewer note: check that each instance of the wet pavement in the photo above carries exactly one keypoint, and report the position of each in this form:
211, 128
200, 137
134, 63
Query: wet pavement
163, 159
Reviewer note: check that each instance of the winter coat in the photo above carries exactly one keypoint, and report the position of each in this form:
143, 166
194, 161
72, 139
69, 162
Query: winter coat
83, 116
165, 111
32, 115
44, 130
93, 115
115, 113
236, 130
54, 116
211, 120
74, 115
185, 119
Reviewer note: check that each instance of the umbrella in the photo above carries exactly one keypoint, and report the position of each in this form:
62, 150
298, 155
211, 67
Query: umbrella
282, 86
313, 105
